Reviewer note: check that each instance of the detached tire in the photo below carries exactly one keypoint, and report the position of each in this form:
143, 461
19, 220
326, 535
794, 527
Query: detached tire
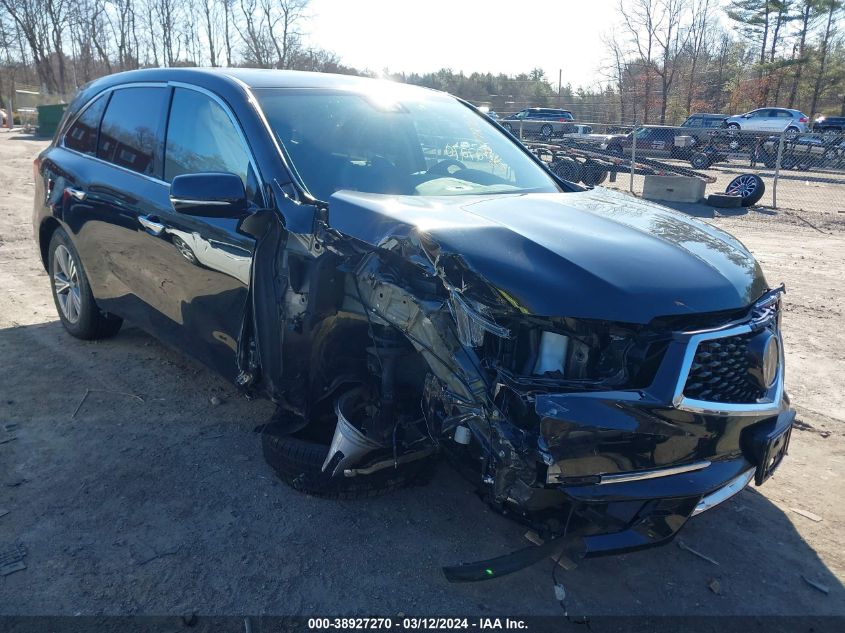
724, 201
299, 462
750, 188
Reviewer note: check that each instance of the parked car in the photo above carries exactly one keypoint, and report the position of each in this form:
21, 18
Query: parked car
658, 141
829, 125
770, 120
704, 120
603, 367
543, 122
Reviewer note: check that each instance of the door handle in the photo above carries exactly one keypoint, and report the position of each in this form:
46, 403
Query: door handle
149, 223
75, 193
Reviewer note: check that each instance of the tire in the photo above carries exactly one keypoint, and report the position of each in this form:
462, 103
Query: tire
700, 160
593, 174
724, 201
507, 127
568, 169
791, 131
733, 126
616, 150
299, 463
546, 131
750, 188
75, 304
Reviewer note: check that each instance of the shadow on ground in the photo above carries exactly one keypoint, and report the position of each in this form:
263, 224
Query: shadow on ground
148, 499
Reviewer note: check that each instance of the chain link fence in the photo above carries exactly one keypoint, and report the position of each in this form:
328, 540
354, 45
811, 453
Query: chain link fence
796, 170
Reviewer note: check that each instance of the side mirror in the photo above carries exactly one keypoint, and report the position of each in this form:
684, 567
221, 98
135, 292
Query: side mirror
211, 195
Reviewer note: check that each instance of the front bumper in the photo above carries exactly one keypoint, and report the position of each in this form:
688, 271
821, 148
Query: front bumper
626, 515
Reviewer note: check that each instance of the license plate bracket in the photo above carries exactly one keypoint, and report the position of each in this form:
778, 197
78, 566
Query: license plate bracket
767, 443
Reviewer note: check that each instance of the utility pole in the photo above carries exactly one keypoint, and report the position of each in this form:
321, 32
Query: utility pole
559, 84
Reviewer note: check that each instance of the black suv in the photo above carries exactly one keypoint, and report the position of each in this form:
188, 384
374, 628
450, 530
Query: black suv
580, 353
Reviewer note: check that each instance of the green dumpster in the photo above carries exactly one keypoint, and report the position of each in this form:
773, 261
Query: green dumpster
49, 117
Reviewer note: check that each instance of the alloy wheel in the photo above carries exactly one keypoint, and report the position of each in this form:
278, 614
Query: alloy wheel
743, 186
66, 284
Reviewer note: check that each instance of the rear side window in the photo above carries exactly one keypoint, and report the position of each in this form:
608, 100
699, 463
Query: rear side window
130, 133
82, 135
202, 138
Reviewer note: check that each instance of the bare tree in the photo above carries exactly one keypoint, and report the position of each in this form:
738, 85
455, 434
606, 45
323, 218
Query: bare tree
639, 19
831, 9
697, 36
667, 34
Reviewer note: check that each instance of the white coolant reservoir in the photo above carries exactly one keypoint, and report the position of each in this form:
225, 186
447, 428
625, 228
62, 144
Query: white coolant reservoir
552, 356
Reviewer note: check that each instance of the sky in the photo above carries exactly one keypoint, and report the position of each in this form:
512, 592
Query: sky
510, 36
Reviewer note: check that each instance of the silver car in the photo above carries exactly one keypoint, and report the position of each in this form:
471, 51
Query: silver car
770, 120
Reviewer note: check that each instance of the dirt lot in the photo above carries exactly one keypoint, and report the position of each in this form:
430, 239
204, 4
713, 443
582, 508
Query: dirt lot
151, 500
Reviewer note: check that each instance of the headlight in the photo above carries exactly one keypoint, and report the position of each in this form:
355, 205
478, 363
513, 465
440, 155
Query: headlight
472, 320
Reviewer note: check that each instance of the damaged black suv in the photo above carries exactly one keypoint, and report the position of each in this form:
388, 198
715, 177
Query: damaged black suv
406, 282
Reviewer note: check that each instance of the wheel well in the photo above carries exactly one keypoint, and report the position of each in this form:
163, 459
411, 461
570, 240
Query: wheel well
45, 234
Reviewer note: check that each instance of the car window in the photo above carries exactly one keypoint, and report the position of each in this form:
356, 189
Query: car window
82, 135
397, 142
202, 138
130, 132
783, 114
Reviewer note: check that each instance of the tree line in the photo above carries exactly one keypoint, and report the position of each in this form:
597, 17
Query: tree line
664, 58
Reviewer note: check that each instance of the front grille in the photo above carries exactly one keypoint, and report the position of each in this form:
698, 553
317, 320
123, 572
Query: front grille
719, 372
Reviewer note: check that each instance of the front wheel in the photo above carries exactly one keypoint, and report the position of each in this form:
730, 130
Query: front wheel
72, 295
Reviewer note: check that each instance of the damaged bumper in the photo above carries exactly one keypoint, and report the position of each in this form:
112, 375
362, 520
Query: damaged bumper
637, 464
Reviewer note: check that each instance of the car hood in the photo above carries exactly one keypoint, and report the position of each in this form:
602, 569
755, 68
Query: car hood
591, 254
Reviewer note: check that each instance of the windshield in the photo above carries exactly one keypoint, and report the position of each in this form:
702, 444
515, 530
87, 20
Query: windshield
397, 142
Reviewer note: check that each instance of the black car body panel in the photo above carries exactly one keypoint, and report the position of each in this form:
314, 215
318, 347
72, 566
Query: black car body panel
578, 351
558, 245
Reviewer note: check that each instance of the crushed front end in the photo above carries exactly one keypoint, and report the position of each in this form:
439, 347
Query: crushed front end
635, 428
656, 394
638, 427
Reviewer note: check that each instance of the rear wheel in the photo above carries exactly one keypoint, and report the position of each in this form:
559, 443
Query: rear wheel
507, 127
792, 131
546, 131
72, 295
700, 160
733, 126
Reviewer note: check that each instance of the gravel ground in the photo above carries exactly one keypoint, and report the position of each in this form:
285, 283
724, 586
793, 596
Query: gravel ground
151, 500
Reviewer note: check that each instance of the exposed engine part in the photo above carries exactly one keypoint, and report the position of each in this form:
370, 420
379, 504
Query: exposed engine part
389, 463
462, 435
348, 442
552, 356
